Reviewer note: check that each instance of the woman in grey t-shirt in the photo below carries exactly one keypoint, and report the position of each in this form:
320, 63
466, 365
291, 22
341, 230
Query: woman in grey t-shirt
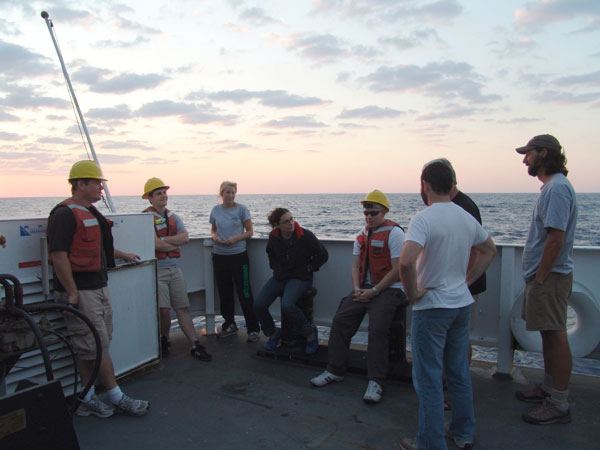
231, 225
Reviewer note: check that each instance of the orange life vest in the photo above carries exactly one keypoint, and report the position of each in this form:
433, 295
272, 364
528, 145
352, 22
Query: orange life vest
164, 227
378, 251
85, 253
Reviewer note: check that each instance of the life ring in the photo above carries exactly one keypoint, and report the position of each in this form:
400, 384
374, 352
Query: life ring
583, 337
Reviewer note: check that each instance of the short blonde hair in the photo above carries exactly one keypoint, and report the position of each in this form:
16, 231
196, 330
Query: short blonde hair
225, 185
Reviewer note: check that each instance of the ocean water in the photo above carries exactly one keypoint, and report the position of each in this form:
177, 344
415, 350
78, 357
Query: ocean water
339, 216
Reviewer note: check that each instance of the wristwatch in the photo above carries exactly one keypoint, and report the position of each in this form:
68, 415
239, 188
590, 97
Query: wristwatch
374, 289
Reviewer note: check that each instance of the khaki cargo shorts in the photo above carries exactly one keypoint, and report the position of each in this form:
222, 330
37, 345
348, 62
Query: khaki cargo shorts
95, 304
545, 305
171, 289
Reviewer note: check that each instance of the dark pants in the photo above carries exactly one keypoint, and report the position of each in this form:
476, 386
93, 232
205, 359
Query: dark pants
346, 321
233, 270
291, 291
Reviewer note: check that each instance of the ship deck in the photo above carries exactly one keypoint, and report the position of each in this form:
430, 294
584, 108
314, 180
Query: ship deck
243, 401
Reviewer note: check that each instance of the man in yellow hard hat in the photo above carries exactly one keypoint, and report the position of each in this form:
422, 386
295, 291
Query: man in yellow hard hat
170, 235
81, 249
376, 291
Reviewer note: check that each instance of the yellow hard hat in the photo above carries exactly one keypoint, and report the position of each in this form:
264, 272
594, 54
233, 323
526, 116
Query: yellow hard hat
378, 197
151, 184
86, 169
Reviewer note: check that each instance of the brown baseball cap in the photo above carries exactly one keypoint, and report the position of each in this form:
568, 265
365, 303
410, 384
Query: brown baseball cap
542, 141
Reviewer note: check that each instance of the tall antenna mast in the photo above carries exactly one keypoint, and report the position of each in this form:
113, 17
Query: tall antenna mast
50, 25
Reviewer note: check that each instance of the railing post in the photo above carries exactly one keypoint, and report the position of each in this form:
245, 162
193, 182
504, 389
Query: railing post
209, 286
507, 298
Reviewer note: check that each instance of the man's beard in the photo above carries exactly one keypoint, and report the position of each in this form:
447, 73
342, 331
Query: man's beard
534, 169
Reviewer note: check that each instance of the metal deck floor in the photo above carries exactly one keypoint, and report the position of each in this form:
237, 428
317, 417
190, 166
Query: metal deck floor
242, 401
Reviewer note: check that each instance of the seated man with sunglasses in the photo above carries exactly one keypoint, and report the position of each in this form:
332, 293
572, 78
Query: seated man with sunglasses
376, 291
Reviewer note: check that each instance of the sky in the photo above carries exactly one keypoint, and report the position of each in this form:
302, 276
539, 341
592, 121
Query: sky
282, 96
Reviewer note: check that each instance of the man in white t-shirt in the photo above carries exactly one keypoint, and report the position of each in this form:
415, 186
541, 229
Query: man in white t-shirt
376, 291
436, 272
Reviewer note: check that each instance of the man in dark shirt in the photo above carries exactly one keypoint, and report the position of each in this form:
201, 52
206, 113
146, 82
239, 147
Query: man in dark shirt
81, 249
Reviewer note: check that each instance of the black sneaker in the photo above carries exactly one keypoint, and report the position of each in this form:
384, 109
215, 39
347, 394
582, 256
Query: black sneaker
200, 352
164, 346
227, 330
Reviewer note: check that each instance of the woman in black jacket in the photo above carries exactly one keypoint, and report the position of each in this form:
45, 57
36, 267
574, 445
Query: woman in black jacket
294, 254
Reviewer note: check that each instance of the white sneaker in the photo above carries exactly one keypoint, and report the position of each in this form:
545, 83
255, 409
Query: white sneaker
325, 378
95, 407
373, 393
131, 406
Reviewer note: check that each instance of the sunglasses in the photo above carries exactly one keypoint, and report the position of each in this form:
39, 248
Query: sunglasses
372, 213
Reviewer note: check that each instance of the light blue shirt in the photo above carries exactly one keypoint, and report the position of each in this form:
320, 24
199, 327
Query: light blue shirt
556, 207
229, 222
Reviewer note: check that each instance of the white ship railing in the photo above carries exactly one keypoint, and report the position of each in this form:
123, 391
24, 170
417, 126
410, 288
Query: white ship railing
133, 292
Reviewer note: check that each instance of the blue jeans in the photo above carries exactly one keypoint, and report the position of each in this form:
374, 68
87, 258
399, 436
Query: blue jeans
290, 291
440, 342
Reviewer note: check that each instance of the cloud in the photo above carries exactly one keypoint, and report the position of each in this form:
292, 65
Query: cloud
414, 39
517, 47
187, 112
101, 80
588, 79
165, 108
18, 63
565, 98
322, 48
118, 112
327, 48
9, 28
55, 140
257, 16
26, 97
126, 145
386, 11
67, 15
343, 77
206, 117
592, 26
351, 125
275, 99
519, 120
294, 122
111, 158
445, 80
121, 44
128, 82
129, 25
5, 136
537, 15
451, 112
6, 117
370, 112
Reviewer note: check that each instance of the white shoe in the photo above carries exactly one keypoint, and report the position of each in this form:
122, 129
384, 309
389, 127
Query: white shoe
95, 407
373, 393
325, 378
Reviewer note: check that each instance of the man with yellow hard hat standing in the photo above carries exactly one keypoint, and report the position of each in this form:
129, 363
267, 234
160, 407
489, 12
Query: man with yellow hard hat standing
376, 291
81, 249
170, 235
